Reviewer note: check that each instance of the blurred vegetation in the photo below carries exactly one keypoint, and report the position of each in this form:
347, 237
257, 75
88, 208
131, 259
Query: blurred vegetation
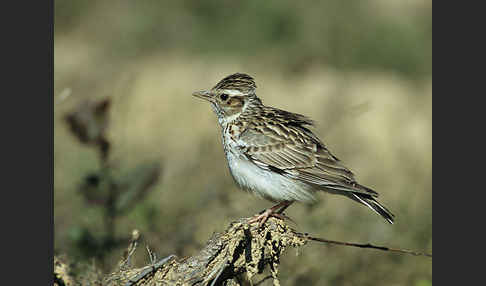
361, 69
115, 195
346, 35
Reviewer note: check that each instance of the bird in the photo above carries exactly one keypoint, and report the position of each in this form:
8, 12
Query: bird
274, 154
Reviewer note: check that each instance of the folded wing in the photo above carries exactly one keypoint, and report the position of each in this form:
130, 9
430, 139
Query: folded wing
295, 152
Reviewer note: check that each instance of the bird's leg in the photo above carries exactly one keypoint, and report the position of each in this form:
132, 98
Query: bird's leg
285, 206
263, 216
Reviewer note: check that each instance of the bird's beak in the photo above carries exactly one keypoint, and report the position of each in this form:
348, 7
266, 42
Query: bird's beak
204, 94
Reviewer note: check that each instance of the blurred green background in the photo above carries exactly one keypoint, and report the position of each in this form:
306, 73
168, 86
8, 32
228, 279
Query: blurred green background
361, 69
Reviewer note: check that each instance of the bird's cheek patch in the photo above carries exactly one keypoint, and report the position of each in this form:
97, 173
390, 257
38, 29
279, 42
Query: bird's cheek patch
235, 102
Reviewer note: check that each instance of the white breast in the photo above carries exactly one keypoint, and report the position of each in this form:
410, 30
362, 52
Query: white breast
267, 184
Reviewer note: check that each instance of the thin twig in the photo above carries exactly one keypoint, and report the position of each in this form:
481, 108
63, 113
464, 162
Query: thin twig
131, 249
367, 245
152, 255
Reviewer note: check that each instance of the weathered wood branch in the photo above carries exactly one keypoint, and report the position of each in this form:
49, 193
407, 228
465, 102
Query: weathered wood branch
242, 249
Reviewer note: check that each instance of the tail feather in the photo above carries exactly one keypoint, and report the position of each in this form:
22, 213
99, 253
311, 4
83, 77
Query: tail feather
373, 204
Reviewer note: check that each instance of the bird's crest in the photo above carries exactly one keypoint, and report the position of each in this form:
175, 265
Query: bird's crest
237, 81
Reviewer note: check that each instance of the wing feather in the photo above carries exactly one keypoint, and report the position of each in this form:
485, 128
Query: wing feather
297, 153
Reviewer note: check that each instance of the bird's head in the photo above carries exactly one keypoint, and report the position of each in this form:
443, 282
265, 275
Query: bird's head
231, 96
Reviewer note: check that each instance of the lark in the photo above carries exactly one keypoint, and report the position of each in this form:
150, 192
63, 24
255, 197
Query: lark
273, 153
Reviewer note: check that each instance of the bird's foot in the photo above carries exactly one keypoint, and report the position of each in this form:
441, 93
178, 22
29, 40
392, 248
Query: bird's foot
263, 217
274, 211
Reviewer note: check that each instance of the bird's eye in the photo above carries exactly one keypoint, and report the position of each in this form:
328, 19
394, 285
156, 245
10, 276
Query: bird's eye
223, 96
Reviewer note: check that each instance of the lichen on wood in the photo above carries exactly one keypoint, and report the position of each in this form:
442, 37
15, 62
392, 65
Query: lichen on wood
242, 249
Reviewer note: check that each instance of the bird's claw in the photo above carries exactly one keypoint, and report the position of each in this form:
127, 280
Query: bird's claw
262, 217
